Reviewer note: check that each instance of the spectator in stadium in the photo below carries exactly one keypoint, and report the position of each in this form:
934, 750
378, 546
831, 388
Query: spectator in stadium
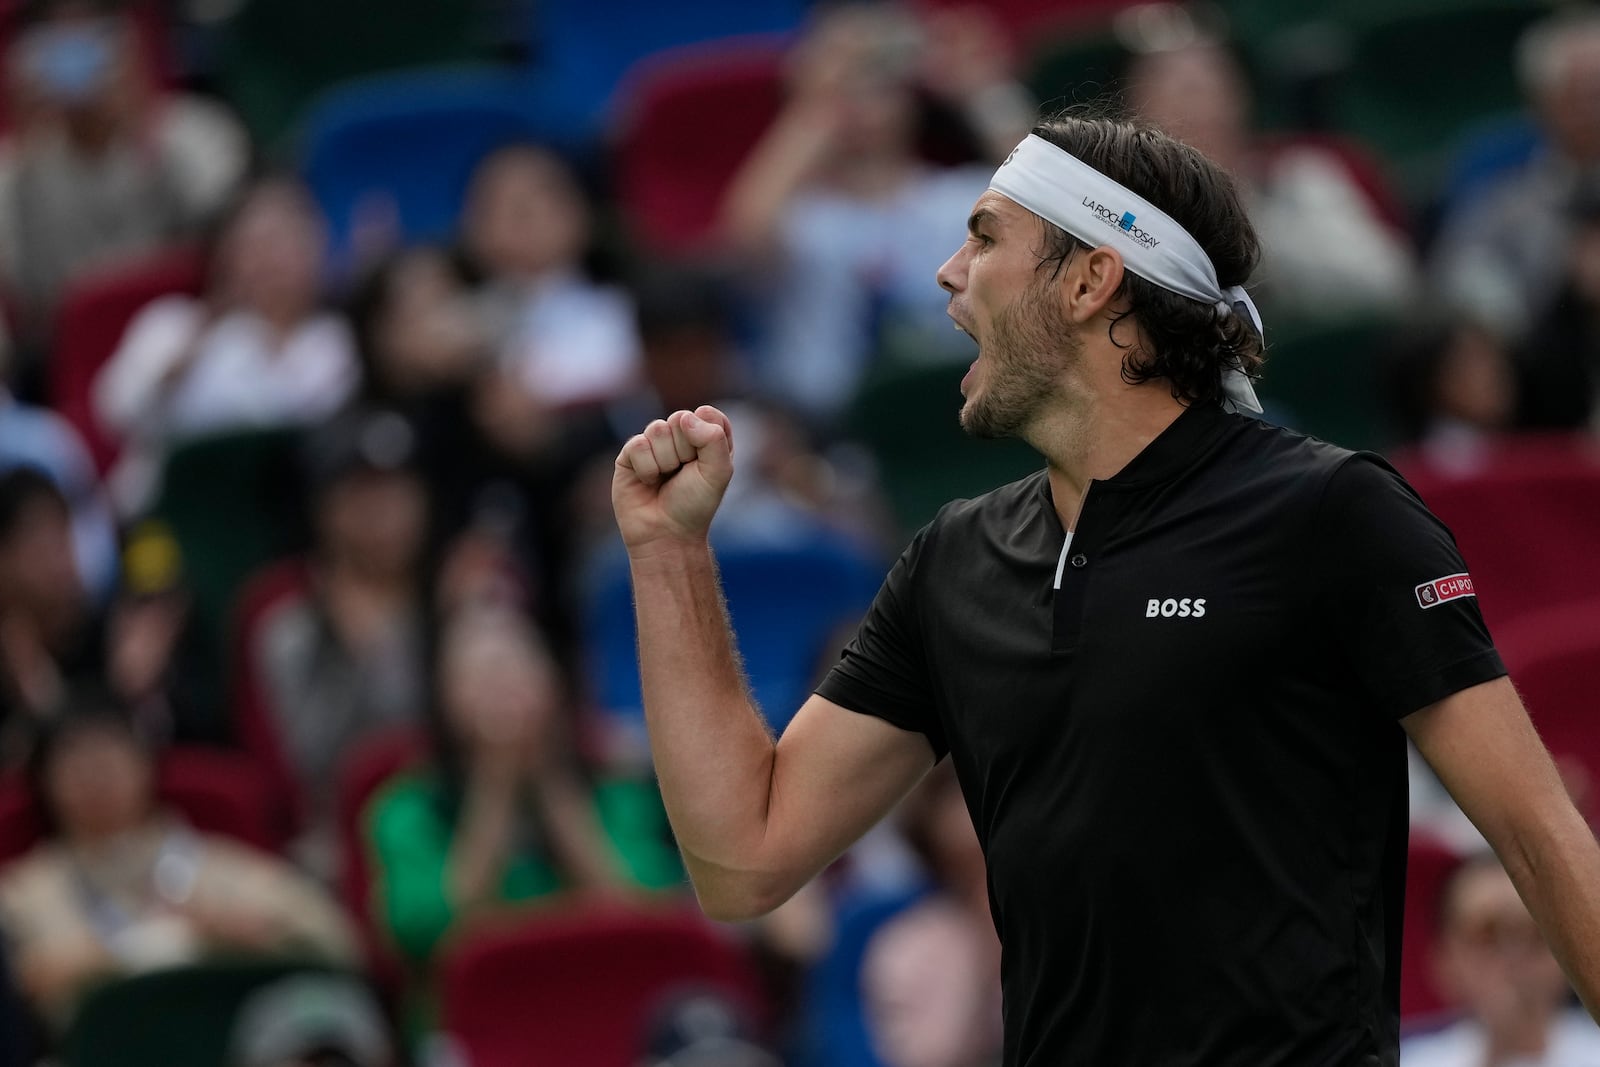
562, 337
505, 815
259, 349
931, 974
101, 162
1493, 964
154, 645
1452, 386
343, 653
120, 886
1560, 361
1502, 253
48, 631
837, 214
34, 436
1326, 248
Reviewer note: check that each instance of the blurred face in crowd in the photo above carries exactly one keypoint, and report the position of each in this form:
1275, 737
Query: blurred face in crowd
525, 215
38, 573
1570, 103
425, 335
1491, 958
1474, 383
98, 782
1198, 95
77, 61
269, 256
498, 684
1011, 306
375, 521
861, 62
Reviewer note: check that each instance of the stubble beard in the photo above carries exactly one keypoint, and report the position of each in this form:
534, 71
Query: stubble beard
1030, 344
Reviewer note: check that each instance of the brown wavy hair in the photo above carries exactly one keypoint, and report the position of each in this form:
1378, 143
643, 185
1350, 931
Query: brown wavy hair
1187, 343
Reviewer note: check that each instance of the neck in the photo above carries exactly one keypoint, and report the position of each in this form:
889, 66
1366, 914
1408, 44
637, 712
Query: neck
1100, 437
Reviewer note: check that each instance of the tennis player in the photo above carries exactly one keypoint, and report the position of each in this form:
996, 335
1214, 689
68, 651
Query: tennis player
1175, 669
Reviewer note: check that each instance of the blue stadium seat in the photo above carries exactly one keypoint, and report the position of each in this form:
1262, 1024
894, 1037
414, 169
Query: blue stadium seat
787, 602
412, 139
582, 50
833, 1025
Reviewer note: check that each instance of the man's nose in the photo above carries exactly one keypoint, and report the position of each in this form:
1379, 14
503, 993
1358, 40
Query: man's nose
952, 277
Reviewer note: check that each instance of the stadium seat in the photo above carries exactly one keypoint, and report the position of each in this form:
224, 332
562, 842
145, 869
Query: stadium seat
1554, 656
833, 1024
788, 603
369, 766
1403, 92
277, 55
1526, 516
672, 165
179, 1017
906, 414
579, 986
362, 139
1322, 378
1027, 22
214, 790
584, 50
1428, 864
94, 312
255, 727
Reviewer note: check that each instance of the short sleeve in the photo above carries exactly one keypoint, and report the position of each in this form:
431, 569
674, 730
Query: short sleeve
883, 670
1399, 598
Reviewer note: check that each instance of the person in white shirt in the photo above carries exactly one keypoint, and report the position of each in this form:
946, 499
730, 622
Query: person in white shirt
258, 350
1493, 963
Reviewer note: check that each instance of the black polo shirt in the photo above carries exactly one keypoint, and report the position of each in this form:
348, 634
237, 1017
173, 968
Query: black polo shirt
1185, 764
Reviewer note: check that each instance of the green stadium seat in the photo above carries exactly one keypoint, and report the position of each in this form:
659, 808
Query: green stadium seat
1324, 379
278, 54
182, 1017
1421, 75
906, 415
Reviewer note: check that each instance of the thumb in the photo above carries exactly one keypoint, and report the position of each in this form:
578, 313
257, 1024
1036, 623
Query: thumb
713, 451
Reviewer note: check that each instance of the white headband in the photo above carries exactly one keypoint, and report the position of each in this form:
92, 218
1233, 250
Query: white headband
1059, 187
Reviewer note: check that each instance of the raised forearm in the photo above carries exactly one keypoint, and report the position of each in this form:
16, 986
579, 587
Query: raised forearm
713, 753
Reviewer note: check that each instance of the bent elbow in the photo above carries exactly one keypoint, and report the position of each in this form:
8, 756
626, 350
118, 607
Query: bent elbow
740, 899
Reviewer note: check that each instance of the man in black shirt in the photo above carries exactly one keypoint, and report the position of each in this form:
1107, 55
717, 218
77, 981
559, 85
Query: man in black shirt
1174, 670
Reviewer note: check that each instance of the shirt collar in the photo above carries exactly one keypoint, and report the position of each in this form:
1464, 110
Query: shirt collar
1185, 441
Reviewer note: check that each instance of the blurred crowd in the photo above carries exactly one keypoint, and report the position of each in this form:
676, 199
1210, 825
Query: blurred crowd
314, 636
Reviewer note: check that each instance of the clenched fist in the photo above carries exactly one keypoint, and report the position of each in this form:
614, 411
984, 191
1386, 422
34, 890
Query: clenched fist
669, 480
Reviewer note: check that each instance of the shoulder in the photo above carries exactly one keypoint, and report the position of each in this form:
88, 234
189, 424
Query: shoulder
39, 876
998, 506
174, 312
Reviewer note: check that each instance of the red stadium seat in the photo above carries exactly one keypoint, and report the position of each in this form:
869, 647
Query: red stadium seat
579, 986
376, 761
254, 725
1428, 864
689, 118
1527, 518
1027, 21
1554, 658
217, 791
94, 312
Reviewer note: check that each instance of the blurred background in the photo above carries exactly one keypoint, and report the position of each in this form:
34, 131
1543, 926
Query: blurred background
320, 729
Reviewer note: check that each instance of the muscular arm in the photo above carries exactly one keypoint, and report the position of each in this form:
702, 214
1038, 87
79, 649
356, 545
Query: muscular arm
1486, 752
755, 819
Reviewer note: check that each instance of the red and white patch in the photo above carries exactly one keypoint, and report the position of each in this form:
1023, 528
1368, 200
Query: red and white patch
1442, 590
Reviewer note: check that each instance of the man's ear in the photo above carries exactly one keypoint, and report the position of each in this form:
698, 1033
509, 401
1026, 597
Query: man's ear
1090, 283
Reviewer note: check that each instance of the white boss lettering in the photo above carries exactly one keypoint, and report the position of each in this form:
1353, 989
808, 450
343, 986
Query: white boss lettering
1172, 607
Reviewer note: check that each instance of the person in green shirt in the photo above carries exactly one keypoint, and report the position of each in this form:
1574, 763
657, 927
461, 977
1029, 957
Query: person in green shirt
504, 815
